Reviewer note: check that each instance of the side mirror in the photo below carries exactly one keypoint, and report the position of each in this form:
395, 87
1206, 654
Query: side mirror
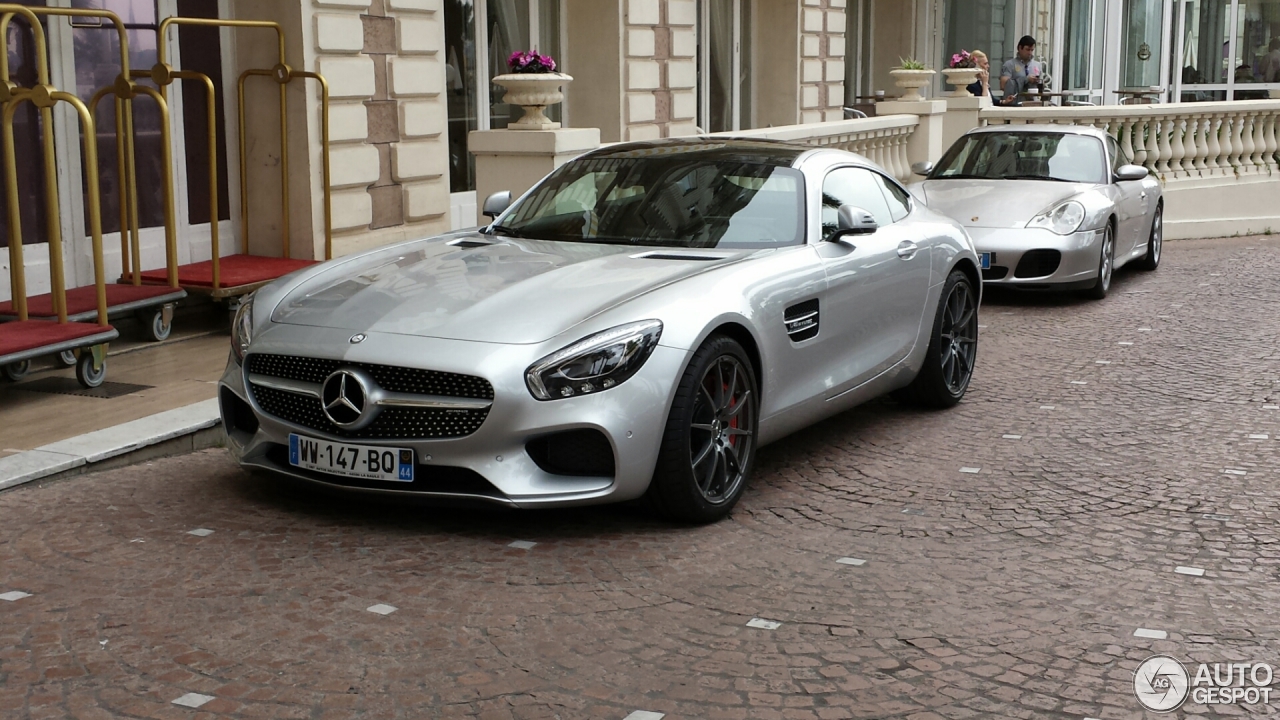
496, 204
922, 168
853, 220
1131, 172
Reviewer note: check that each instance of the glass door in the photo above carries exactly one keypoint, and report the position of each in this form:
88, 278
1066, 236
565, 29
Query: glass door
724, 66
1084, 45
1256, 58
1204, 41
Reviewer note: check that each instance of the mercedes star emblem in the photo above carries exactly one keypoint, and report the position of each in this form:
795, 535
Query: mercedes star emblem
357, 338
345, 397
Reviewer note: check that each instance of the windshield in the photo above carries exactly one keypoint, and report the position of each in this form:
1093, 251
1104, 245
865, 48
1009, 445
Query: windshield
685, 199
1064, 157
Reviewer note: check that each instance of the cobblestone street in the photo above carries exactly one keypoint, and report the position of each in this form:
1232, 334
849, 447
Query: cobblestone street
1011, 549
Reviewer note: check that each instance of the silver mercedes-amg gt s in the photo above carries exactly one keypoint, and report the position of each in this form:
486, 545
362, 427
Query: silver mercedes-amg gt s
638, 324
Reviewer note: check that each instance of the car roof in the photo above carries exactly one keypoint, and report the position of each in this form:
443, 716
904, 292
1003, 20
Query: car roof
1042, 128
773, 152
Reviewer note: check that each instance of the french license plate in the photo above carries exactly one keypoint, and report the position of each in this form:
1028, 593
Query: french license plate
985, 259
365, 462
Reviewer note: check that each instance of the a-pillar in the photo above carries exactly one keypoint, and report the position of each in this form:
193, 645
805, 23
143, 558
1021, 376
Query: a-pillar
962, 116
925, 144
517, 159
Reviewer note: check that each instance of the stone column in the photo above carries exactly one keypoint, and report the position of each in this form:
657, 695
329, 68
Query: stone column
926, 142
962, 116
516, 159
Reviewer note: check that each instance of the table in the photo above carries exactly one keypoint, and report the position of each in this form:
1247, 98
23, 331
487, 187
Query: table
1045, 96
1149, 94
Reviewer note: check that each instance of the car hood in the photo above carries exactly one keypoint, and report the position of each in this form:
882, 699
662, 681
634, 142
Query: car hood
995, 203
486, 289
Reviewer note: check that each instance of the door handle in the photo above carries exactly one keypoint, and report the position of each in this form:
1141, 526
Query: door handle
907, 249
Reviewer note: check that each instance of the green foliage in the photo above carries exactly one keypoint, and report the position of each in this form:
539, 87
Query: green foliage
911, 64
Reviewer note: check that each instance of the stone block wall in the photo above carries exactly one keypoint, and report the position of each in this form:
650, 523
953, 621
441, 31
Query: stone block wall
388, 126
660, 68
822, 49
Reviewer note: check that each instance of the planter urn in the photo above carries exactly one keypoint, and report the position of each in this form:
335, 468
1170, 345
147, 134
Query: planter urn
912, 81
961, 79
533, 92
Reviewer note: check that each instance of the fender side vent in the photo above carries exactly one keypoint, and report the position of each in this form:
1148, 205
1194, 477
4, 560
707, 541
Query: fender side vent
802, 320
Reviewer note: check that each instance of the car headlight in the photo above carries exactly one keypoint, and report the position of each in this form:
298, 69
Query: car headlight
242, 328
1062, 219
594, 363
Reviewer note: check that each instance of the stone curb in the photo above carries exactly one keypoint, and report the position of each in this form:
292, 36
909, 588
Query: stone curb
108, 443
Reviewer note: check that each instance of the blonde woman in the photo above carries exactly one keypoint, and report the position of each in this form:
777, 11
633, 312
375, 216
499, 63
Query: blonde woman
982, 87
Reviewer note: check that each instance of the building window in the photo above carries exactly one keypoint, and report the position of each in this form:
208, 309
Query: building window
724, 65
1227, 50
479, 36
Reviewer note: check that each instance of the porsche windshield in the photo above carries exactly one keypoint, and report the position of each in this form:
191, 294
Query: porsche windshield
682, 199
1064, 157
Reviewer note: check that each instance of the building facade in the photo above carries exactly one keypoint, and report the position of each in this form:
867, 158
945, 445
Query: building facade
410, 79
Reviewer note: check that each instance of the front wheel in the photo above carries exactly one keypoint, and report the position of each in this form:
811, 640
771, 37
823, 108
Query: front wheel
15, 371
88, 376
1155, 242
154, 326
708, 446
953, 348
1106, 265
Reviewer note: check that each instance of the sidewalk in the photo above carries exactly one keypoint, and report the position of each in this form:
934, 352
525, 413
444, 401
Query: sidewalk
143, 379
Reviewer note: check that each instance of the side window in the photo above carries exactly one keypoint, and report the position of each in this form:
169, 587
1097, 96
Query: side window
1113, 147
852, 186
899, 201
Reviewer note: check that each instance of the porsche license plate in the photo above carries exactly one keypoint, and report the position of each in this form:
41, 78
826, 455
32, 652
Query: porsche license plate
985, 259
364, 462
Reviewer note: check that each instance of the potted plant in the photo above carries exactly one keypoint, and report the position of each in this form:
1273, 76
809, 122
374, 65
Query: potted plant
912, 75
961, 73
532, 83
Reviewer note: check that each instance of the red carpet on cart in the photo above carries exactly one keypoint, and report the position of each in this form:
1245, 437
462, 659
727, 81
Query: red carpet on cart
85, 299
236, 270
16, 337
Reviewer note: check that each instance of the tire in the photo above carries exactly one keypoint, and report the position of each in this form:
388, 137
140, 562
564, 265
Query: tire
1155, 242
1106, 265
709, 443
953, 348
66, 358
85, 373
15, 371
154, 328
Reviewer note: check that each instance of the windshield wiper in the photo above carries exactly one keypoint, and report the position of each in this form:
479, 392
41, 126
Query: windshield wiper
1034, 177
508, 232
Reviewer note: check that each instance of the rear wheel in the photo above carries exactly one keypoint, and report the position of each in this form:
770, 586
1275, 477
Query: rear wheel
1106, 265
15, 371
953, 348
67, 358
1155, 243
708, 446
154, 327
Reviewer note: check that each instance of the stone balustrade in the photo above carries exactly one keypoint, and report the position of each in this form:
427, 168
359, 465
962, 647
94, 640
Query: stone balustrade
883, 140
1177, 140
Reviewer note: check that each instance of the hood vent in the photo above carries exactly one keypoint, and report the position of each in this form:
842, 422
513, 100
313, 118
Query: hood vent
678, 256
469, 243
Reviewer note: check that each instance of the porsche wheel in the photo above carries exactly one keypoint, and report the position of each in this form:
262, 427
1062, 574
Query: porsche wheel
1106, 265
953, 348
708, 446
1155, 243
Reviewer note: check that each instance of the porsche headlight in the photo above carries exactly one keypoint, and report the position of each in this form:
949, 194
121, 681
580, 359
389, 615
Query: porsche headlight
594, 363
242, 328
1062, 219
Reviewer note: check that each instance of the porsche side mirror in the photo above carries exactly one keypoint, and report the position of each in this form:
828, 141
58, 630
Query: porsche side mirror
496, 204
852, 220
1126, 173
922, 168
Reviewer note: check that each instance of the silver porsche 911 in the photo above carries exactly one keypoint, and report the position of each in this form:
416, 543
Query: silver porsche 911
1048, 206
638, 324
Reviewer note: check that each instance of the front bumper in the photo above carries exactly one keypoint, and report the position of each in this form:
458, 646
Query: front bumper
631, 416
1020, 257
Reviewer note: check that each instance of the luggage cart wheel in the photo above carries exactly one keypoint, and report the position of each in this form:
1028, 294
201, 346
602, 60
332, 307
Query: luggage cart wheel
157, 323
15, 371
67, 358
91, 369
